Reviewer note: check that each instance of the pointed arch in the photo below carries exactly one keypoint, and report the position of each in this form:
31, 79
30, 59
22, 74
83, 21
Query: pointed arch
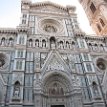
56, 84
55, 56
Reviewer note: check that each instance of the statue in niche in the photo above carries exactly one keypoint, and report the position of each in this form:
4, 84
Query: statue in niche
95, 89
50, 29
71, 62
43, 43
52, 42
61, 45
53, 45
17, 89
67, 45
30, 43
3, 41
37, 43
10, 42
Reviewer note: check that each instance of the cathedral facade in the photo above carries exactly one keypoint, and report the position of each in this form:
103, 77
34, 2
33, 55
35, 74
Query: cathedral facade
47, 61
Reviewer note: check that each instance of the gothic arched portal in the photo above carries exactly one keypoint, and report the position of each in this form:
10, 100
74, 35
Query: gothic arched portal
56, 88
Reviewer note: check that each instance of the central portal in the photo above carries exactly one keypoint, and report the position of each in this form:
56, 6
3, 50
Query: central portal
57, 106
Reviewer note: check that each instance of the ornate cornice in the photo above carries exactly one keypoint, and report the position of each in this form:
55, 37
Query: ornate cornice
8, 30
23, 29
94, 37
79, 33
48, 3
14, 30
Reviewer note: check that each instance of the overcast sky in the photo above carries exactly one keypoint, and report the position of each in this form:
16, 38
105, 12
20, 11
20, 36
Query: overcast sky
10, 13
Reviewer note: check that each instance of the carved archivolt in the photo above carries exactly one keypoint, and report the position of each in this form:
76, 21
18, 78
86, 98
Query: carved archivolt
56, 85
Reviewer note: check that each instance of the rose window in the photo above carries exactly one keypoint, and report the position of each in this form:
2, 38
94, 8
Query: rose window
50, 26
101, 65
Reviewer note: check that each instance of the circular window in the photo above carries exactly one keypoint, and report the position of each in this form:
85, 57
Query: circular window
101, 64
50, 26
2, 60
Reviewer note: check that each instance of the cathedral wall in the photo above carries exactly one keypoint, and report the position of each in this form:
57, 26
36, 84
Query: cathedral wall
49, 61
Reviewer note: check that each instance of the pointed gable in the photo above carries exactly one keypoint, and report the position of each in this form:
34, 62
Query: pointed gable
55, 65
54, 62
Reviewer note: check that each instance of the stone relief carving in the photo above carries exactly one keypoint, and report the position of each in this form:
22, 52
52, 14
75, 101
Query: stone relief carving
71, 60
55, 65
50, 29
16, 91
43, 58
76, 81
56, 89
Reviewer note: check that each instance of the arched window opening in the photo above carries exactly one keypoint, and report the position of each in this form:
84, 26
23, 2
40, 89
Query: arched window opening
102, 22
95, 47
30, 42
67, 45
73, 43
101, 47
95, 89
37, 43
61, 44
52, 42
43, 43
3, 41
90, 46
10, 41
